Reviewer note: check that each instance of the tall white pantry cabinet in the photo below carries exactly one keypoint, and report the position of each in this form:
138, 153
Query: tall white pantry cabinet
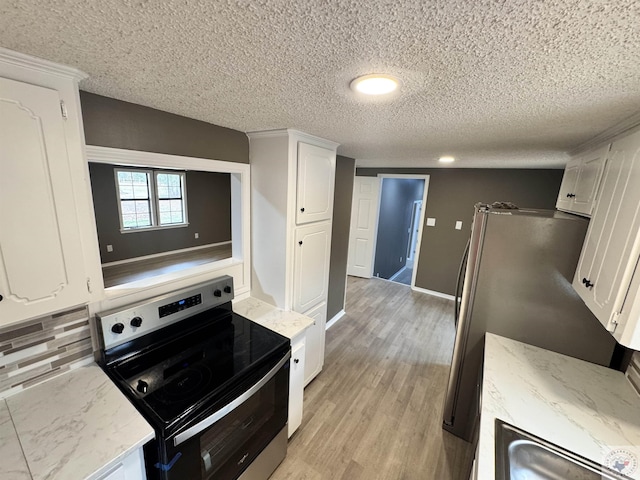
292, 186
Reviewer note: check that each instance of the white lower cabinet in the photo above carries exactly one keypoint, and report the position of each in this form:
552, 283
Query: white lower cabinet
315, 340
130, 468
296, 383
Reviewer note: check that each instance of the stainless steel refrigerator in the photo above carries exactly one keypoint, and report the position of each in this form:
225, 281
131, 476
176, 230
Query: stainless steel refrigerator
517, 283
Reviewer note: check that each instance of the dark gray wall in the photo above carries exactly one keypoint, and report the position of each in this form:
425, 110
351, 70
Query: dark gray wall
114, 123
345, 168
451, 196
208, 210
396, 205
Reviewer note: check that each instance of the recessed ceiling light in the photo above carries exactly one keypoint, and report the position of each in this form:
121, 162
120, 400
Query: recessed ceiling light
446, 159
375, 84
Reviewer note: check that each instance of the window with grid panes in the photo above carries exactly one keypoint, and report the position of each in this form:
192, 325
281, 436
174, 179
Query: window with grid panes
151, 199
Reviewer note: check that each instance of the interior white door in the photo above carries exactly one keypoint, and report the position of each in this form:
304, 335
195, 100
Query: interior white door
362, 232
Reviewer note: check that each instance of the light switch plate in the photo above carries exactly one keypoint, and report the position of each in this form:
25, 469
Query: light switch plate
458, 225
431, 222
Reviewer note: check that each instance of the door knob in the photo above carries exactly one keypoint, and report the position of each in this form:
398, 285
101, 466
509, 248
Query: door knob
300, 242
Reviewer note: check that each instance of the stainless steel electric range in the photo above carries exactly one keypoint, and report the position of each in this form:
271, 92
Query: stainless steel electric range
213, 384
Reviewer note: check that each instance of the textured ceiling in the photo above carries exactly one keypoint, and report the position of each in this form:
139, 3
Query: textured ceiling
494, 83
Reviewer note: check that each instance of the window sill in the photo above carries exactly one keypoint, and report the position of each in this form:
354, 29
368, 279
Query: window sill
169, 282
151, 229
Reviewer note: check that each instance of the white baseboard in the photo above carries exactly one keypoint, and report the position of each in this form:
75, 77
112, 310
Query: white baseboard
335, 318
434, 293
397, 274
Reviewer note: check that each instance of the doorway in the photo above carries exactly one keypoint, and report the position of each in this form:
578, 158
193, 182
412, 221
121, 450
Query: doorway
386, 226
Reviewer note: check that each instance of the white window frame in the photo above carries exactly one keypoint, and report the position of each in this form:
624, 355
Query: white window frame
239, 266
154, 199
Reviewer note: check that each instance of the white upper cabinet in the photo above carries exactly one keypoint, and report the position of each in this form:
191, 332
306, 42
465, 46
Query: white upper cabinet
605, 274
581, 181
44, 256
315, 183
568, 186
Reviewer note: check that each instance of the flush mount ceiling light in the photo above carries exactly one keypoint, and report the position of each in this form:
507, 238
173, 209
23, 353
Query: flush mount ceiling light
375, 84
446, 159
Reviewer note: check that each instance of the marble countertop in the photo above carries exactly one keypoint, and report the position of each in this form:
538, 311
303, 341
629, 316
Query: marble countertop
74, 426
584, 408
290, 324
12, 462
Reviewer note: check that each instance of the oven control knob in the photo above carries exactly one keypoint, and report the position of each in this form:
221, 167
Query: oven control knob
142, 387
136, 321
217, 292
227, 289
118, 328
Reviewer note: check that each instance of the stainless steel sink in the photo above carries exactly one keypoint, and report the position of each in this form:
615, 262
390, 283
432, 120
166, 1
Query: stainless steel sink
520, 456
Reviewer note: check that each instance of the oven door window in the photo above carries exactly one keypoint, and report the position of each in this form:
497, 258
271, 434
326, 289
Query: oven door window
226, 449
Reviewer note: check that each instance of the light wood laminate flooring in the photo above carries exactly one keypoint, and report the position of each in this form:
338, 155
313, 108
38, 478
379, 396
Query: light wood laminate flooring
375, 410
172, 262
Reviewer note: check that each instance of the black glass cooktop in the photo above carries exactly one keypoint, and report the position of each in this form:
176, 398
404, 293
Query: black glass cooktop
198, 366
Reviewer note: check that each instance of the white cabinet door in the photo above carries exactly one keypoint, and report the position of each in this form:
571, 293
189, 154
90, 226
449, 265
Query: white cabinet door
41, 262
586, 187
611, 246
315, 340
311, 265
581, 181
131, 468
567, 188
296, 384
315, 183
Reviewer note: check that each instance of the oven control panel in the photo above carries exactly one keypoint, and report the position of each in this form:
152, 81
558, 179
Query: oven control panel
133, 321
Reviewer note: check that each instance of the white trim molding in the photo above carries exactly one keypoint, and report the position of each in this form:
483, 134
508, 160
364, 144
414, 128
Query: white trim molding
239, 266
335, 319
40, 64
609, 134
433, 293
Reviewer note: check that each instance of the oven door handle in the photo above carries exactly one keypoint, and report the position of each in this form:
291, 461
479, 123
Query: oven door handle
213, 418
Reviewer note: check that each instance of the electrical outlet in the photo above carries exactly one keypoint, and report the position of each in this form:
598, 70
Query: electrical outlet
109, 248
197, 235
400, 259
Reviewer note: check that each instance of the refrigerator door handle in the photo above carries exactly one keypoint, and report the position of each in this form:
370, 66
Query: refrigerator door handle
459, 281
466, 302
